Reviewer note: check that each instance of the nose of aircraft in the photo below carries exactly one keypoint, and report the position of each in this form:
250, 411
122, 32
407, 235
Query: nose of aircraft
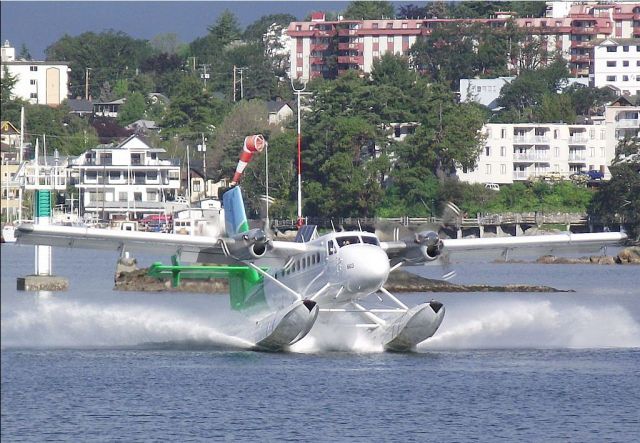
366, 268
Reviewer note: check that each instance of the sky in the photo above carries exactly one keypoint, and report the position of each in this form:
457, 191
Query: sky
39, 24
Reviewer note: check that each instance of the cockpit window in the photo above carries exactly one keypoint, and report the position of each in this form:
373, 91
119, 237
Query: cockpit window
344, 241
331, 246
370, 240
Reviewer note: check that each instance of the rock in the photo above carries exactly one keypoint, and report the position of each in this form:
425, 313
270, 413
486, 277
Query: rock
629, 255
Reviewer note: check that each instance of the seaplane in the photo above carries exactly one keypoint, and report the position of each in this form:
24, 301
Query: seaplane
286, 286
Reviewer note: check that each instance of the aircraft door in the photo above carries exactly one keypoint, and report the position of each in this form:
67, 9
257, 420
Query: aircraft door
334, 264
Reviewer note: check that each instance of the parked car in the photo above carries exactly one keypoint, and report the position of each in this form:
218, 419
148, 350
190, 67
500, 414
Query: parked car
492, 186
594, 174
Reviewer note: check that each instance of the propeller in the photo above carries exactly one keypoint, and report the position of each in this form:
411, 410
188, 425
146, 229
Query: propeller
425, 234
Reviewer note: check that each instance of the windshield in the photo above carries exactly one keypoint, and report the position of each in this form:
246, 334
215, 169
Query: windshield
370, 240
344, 241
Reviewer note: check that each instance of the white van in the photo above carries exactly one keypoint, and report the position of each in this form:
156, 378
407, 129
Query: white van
492, 186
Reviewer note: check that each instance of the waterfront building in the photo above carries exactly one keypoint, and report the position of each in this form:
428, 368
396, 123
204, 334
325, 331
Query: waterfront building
126, 179
616, 64
38, 82
516, 152
570, 29
279, 112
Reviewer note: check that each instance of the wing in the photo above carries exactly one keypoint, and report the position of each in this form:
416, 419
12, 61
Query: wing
190, 249
528, 246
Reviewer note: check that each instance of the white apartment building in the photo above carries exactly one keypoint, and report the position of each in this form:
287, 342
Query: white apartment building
38, 82
616, 63
487, 90
522, 151
128, 178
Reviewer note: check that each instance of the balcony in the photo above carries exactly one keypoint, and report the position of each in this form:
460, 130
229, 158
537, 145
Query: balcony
581, 43
350, 46
577, 157
628, 123
531, 139
578, 139
351, 59
529, 157
580, 58
521, 175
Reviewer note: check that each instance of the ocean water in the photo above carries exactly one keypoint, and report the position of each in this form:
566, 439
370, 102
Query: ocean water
93, 364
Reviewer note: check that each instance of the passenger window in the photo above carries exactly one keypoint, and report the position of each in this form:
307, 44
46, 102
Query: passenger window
331, 247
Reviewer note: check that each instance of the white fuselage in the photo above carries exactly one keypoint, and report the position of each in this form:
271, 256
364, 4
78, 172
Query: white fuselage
335, 269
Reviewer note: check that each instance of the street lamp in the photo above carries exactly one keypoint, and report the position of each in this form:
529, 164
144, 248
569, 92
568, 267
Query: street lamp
299, 92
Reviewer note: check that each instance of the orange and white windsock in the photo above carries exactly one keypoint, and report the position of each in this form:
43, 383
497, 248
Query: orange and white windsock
252, 144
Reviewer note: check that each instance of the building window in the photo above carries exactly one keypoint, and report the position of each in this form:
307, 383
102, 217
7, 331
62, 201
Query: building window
196, 186
390, 25
592, 152
299, 54
625, 63
602, 152
555, 134
487, 151
625, 78
404, 26
375, 26
625, 49
33, 95
33, 68
637, 62
603, 134
503, 133
592, 133
503, 151
33, 82
611, 64
122, 197
556, 151
488, 169
375, 39
612, 48
390, 39
611, 78
298, 28
503, 169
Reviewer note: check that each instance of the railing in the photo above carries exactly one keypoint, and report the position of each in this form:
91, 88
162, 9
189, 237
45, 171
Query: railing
530, 218
578, 139
134, 163
576, 157
531, 156
628, 123
521, 175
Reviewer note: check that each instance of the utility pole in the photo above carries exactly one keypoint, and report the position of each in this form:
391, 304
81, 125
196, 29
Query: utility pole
204, 76
234, 83
86, 83
298, 93
241, 83
203, 148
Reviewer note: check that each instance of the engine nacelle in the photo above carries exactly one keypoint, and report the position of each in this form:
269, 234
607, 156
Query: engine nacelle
426, 247
250, 245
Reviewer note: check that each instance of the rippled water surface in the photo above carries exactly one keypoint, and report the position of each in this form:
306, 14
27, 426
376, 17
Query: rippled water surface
95, 364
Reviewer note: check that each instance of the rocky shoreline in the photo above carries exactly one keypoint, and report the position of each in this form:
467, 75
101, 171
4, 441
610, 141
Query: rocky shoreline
628, 256
129, 278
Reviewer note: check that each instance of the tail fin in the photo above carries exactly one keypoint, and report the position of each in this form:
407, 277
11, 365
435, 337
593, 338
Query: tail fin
235, 218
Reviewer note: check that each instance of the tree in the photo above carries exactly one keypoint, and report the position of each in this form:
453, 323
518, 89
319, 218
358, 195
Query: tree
68, 133
587, 100
166, 43
24, 53
9, 105
132, 110
110, 55
192, 109
255, 31
225, 29
619, 198
245, 118
369, 10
